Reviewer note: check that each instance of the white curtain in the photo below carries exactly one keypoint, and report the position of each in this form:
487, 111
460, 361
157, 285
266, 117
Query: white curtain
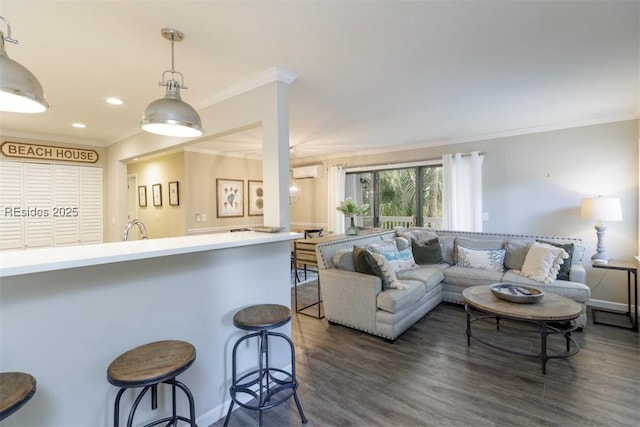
462, 191
335, 194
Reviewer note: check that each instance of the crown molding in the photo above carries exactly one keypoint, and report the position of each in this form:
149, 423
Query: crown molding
9, 133
267, 76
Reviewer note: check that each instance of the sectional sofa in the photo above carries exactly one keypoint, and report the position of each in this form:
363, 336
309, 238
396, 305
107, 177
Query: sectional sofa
388, 306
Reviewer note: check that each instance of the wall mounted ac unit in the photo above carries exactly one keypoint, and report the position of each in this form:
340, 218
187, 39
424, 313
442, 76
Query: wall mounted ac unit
313, 171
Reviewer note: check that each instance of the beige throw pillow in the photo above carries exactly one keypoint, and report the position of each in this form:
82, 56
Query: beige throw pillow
543, 262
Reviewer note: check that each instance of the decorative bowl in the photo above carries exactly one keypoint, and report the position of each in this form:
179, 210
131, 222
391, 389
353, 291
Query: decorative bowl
517, 293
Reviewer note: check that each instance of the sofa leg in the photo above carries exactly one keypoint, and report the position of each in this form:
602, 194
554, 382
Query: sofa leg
332, 323
389, 340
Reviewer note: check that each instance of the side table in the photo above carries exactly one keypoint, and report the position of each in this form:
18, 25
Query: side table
631, 267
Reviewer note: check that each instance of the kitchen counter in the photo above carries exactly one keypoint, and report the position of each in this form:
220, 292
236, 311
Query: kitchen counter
67, 312
48, 259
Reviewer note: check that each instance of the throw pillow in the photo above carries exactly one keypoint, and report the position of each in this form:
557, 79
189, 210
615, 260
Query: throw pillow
565, 268
416, 233
543, 262
387, 275
383, 246
578, 253
364, 262
489, 259
428, 252
517, 251
448, 248
343, 260
375, 264
399, 260
402, 243
477, 244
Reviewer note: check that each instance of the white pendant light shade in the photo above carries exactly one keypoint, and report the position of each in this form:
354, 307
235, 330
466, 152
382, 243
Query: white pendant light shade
170, 115
20, 90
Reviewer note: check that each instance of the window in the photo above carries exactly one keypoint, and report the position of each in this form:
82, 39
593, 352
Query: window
402, 196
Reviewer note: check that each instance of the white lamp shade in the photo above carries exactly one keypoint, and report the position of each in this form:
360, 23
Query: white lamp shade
601, 209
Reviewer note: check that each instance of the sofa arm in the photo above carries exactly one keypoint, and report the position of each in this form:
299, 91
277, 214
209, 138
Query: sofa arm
350, 298
578, 273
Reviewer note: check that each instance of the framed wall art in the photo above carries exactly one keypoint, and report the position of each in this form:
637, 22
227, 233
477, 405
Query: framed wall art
256, 198
157, 194
229, 197
174, 195
142, 196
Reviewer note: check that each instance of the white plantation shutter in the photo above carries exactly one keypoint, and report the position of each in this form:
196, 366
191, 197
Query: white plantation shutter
37, 198
59, 205
66, 221
11, 236
90, 205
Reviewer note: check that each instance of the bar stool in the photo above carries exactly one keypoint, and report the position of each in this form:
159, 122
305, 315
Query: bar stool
16, 388
274, 385
147, 366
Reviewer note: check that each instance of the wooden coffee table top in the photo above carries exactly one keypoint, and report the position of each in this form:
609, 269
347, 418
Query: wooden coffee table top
551, 307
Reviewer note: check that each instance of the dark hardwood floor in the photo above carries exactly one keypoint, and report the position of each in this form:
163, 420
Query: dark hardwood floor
430, 377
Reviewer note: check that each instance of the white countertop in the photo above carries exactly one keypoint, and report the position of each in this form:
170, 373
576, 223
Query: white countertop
13, 263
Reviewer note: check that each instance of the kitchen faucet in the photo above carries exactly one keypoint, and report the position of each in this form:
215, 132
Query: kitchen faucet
130, 224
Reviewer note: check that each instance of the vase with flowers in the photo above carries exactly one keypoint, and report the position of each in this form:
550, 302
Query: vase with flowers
349, 208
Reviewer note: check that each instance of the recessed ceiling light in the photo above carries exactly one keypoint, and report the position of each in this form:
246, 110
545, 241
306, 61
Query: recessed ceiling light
114, 101
79, 125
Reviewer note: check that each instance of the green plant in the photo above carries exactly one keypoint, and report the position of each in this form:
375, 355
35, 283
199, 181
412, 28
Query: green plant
349, 208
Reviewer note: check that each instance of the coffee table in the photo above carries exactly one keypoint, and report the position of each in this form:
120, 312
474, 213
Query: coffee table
553, 314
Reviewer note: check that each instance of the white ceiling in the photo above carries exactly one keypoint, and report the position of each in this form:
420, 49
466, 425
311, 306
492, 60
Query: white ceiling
372, 75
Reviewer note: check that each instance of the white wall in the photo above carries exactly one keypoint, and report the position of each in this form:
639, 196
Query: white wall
535, 183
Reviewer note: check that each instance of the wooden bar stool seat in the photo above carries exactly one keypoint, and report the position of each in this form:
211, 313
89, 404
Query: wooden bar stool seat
147, 366
266, 385
16, 388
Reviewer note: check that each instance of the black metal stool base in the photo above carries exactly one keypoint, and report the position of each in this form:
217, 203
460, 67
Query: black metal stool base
268, 387
168, 421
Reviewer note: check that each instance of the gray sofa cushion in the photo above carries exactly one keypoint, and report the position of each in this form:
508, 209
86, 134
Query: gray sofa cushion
516, 253
465, 277
395, 300
429, 276
574, 290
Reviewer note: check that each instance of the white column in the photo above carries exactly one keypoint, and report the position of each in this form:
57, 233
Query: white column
275, 159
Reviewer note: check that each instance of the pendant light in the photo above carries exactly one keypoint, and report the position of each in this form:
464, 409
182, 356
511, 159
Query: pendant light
294, 190
20, 90
170, 115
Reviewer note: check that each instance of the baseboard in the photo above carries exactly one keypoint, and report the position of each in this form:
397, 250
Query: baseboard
608, 305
